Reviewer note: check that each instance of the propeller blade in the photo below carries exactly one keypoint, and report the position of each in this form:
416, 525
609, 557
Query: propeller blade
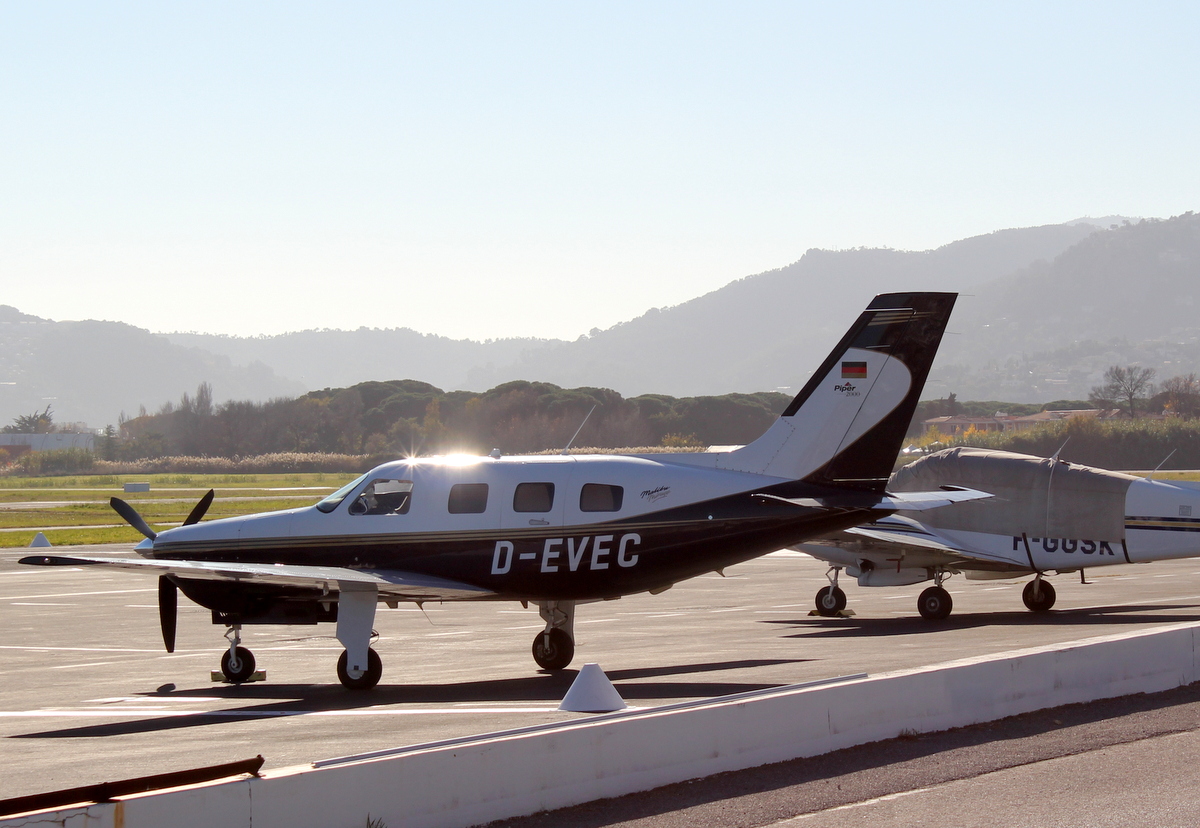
200, 508
168, 604
131, 517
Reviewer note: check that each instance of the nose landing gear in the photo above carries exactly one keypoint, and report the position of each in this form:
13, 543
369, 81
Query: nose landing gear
831, 600
237, 663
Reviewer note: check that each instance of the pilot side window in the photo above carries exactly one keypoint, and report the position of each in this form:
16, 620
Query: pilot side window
599, 497
468, 498
533, 497
384, 496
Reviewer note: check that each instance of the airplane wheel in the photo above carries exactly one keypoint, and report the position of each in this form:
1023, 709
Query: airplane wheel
240, 668
935, 604
368, 679
830, 601
1042, 603
557, 654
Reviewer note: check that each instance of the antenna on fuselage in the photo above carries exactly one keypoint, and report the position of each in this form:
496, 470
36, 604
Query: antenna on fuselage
1060, 448
1160, 465
1054, 461
567, 447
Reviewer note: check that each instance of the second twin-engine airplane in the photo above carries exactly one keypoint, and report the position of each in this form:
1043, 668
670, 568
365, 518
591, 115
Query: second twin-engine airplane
1046, 515
562, 530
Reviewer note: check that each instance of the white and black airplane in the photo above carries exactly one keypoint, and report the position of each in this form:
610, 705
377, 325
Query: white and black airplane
562, 530
1046, 516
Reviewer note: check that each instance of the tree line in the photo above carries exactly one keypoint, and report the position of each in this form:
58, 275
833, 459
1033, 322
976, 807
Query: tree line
409, 417
1130, 388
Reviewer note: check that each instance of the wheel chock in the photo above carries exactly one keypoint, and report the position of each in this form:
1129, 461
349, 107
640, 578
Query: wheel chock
257, 675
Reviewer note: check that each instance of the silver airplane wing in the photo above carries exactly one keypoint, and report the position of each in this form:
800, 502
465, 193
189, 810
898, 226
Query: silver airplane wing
900, 501
916, 539
390, 583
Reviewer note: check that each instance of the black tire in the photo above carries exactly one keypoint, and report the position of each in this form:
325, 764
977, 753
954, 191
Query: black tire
555, 654
1038, 603
830, 601
368, 679
935, 604
240, 671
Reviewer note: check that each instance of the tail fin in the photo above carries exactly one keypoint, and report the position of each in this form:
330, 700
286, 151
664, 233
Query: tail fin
846, 425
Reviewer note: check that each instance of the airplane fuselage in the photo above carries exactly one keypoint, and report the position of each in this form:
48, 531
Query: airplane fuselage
595, 527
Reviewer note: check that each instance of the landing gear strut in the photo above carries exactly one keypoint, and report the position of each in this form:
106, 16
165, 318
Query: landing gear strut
554, 647
935, 603
359, 667
1038, 594
237, 663
831, 600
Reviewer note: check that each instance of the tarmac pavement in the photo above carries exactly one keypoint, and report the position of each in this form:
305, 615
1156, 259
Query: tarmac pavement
89, 695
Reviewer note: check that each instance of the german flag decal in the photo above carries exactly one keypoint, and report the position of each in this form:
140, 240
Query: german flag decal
854, 370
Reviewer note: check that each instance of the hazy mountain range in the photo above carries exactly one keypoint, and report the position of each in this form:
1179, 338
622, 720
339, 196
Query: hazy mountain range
1044, 311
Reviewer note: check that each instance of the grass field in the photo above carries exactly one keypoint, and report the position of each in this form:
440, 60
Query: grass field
75, 510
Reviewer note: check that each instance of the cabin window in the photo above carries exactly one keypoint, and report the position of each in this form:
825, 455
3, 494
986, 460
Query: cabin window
533, 497
468, 498
384, 496
600, 497
334, 500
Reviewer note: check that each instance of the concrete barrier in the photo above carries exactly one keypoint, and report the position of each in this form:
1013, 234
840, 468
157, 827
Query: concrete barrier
470, 781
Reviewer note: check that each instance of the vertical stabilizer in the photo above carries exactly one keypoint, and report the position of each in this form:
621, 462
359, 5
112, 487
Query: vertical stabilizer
846, 425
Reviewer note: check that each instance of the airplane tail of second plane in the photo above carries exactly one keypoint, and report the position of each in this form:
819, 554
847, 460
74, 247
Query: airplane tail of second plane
846, 426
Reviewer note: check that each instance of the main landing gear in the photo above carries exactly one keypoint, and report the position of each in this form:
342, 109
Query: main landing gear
935, 603
554, 647
358, 668
831, 600
1038, 594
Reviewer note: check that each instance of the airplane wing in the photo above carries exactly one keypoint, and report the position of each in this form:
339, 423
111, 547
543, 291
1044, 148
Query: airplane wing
896, 533
391, 583
900, 501
921, 538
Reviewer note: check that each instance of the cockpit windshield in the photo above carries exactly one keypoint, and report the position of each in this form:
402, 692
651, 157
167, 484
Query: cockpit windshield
334, 500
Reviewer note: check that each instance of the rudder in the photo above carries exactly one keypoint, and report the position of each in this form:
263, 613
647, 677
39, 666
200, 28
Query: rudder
847, 424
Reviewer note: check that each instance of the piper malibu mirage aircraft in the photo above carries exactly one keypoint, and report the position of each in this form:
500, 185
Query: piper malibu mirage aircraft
561, 530
1046, 515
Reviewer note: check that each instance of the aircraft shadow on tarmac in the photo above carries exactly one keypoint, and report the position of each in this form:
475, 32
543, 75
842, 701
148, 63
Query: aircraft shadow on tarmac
1098, 617
283, 700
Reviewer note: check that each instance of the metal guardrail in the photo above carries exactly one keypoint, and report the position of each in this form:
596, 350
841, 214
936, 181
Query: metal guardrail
106, 791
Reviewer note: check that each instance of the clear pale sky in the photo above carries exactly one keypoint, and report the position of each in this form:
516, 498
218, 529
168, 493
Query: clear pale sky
509, 169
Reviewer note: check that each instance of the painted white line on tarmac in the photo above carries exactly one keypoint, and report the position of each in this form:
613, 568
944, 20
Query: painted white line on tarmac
889, 798
32, 571
42, 649
156, 699
74, 594
126, 712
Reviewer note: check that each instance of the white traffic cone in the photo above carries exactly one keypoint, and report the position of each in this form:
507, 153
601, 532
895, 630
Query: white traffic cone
39, 540
592, 692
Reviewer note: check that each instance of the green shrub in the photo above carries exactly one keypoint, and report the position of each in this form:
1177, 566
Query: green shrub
1115, 444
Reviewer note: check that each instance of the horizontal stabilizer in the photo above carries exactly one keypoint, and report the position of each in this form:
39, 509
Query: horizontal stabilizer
903, 501
390, 583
